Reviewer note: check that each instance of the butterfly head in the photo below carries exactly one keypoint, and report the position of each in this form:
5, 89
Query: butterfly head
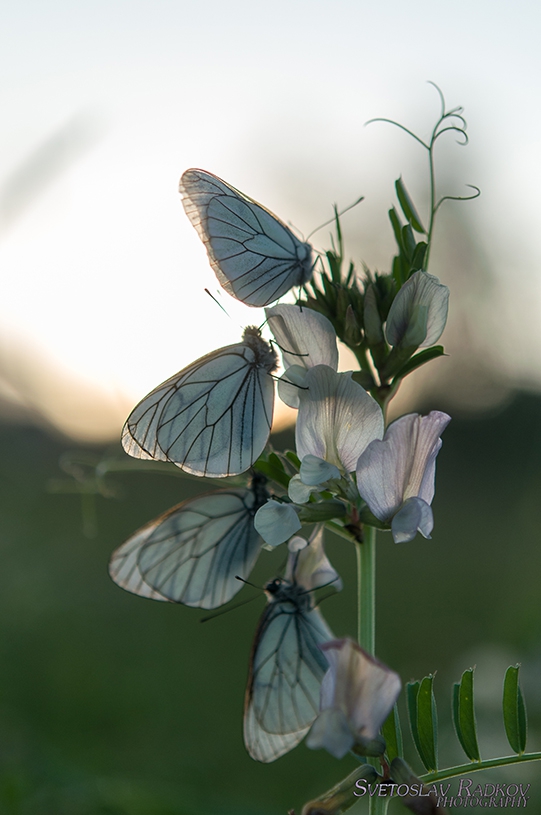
305, 258
265, 356
280, 590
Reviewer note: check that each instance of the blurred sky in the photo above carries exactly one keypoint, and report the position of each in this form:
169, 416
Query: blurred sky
106, 104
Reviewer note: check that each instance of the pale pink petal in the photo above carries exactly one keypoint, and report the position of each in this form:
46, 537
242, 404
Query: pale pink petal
337, 418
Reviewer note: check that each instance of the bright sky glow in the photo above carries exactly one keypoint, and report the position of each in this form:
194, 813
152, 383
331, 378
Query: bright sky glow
106, 104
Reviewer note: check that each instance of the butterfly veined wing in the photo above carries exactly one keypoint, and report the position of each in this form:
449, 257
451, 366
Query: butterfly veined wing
124, 566
255, 256
193, 553
213, 418
287, 666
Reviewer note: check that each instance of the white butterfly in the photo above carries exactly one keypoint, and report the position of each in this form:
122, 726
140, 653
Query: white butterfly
213, 418
255, 256
193, 553
282, 696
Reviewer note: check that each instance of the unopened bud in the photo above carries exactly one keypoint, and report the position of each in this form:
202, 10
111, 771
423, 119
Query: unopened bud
373, 327
418, 314
352, 332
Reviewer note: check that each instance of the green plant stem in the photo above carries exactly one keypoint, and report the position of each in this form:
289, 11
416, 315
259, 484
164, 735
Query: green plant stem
475, 766
366, 586
378, 806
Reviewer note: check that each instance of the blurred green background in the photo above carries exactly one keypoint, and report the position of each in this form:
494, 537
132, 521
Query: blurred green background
115, 705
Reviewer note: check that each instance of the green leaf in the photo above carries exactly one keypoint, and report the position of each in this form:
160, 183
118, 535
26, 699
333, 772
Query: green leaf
398, 272
293, 458
427, 723
423, 720
420, 359
514, 710
397, 228
464, 715
350, 277
419, 255
276, 461
330, 292
412, 689
407, 206
392, 733
273, 472
334, 266
408, 241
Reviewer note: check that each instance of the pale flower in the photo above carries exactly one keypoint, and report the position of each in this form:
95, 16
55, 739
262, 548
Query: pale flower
304, 336
395, 476
308, 565
357, 694
337, 420
276, 522
306, 339
418, 314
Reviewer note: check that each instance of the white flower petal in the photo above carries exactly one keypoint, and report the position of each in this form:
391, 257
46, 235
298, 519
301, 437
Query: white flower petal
298, 491
403, 465
290, 384
311, 567
331, 731
337, 418
356, 683
304, 336
316, 470
414, 516
276, 522
418, 314
427, 447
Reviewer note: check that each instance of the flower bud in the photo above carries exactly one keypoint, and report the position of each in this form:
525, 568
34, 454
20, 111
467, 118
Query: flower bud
352, 332
372, 321
418, 314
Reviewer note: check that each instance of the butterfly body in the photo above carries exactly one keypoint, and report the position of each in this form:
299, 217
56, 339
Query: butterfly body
193, 553
255, 256
213, 418
287, 666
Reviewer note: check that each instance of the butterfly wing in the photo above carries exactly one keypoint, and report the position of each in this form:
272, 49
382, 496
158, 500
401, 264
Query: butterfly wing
282, 697
193, 553
255, 256
211, 419
124, 566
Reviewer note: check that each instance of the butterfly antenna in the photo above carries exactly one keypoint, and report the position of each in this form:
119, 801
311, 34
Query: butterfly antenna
335, 216
279, 379
285, 351
218, 303
326, 597
230, 608
242, 580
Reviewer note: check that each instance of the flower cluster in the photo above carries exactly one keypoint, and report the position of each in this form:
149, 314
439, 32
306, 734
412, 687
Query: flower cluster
341, 443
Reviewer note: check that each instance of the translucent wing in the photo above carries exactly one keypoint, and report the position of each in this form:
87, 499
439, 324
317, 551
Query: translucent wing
214, 417
255, 256
282, 697
124, 566
193, 553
